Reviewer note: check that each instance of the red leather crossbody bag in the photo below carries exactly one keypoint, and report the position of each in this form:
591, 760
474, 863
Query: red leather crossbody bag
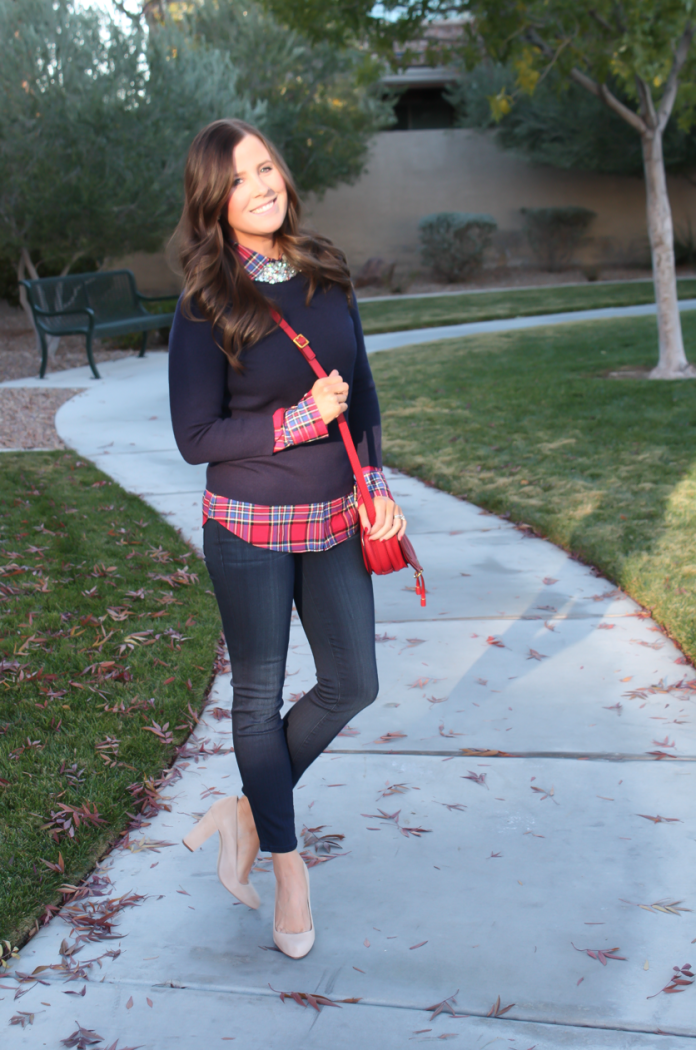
380, 556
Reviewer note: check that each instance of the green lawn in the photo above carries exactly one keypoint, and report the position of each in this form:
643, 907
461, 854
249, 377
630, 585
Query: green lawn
107, 627
396, 315
526, 423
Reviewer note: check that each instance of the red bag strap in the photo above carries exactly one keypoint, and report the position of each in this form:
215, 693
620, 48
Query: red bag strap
310, 357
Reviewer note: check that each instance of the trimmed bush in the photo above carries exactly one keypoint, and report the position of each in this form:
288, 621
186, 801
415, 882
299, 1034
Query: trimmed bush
554, 233
453, 242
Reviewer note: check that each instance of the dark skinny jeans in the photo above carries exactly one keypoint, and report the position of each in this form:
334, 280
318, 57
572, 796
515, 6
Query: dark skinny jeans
255, 588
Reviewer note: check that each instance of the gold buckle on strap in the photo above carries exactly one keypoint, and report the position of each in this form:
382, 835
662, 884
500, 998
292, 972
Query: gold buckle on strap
300, 341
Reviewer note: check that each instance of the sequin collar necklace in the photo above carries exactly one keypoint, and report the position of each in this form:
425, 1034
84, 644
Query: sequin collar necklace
261, 268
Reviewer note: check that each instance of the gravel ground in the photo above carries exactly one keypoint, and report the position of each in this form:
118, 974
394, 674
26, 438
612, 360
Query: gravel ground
19, 357
27, 417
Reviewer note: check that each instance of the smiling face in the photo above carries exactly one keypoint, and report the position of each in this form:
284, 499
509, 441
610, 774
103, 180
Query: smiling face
258, 202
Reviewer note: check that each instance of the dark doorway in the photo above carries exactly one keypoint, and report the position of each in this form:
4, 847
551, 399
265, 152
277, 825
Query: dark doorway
421, 109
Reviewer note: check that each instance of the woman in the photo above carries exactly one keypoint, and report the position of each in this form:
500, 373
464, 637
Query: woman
281, 521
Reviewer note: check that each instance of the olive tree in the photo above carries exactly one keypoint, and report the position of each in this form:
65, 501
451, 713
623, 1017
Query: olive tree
95, 121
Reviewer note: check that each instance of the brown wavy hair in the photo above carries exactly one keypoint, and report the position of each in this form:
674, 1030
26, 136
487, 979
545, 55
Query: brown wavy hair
214, 277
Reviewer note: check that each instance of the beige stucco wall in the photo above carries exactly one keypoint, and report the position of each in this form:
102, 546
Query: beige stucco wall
413, 173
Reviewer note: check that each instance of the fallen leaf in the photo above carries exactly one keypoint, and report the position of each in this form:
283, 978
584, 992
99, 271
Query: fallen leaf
495, 1010
534, 655
682, 978
478, 778
549, 581
419, 945
601, 954
438, 1008
366, 943
129, 1004
22, 1018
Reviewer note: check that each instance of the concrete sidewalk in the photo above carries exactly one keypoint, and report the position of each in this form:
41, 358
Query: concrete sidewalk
560, 837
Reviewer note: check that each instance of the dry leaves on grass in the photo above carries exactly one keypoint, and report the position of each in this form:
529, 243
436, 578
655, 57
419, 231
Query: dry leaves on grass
7, 953
66, 819
682, 978
162, 732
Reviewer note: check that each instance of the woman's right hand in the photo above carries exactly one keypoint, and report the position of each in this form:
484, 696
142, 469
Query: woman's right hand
330, 396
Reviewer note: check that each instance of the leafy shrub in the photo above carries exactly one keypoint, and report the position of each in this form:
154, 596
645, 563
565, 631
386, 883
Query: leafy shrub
554, 233
453, 242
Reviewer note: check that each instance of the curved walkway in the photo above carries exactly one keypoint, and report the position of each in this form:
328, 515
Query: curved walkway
516, 713
391, 340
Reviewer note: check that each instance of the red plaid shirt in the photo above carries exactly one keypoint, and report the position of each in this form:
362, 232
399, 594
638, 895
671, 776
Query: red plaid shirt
301, 526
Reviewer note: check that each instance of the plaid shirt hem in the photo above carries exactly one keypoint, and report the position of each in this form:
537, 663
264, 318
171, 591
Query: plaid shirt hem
302, 422
294, 528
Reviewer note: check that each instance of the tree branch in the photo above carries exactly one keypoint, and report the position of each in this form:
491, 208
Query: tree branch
601, 21
534, 38
647, 104
670, 93
602, 92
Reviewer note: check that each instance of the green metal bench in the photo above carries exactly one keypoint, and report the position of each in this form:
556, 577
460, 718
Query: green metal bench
92, 304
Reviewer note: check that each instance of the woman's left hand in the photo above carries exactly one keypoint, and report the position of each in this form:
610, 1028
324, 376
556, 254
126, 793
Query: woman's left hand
390, 520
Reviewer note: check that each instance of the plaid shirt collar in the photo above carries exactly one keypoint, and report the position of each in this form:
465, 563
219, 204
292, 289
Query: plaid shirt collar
253, 262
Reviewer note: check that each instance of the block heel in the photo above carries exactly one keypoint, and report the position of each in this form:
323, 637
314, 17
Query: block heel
222, 817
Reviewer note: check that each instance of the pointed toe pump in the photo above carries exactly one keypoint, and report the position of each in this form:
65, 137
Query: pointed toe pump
222, 817
296, 945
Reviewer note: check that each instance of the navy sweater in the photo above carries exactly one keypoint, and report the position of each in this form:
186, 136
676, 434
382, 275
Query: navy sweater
225, 418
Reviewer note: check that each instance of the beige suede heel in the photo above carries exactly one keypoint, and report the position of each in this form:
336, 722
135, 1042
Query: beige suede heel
296, 945
222, 817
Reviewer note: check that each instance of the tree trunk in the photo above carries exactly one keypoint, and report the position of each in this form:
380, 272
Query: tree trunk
672, 363
26, 266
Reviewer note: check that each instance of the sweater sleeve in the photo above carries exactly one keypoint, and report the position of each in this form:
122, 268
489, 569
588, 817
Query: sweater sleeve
203, 431
363, 412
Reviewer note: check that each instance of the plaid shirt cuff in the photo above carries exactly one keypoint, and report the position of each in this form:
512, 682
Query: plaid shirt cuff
376, 483
302, 422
